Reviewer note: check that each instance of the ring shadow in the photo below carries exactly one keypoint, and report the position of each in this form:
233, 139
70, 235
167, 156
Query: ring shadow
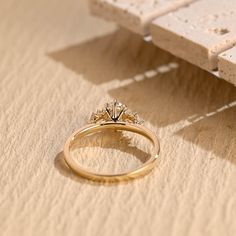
165, 98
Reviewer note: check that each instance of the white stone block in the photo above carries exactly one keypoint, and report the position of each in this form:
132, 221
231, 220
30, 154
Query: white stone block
199, 32
227, 65
135, 15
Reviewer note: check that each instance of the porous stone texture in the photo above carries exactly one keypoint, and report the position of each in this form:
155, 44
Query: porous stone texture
135, 15
199, 32
227, 65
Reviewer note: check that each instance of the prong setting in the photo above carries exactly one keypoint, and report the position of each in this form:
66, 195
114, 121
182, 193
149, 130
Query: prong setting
115, 112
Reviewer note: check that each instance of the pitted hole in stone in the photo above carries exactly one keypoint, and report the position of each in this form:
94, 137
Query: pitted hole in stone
219, 31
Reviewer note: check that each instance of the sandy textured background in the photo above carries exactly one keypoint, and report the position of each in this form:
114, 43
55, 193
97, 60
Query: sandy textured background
58, 64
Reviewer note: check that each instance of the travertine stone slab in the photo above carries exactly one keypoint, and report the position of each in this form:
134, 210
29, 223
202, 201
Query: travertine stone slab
135, 15
198, 33
227, 65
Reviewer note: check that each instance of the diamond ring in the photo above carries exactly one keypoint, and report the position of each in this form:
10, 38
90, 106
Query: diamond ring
118, 117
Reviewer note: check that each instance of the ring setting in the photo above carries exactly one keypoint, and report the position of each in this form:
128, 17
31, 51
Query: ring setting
113, 112
118, 117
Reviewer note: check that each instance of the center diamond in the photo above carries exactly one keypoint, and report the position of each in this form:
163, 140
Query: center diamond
115, 110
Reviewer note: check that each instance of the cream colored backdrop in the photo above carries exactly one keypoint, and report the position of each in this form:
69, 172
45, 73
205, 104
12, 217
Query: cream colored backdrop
57, 64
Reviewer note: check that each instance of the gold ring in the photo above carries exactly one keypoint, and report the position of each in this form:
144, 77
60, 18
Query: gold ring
114, 116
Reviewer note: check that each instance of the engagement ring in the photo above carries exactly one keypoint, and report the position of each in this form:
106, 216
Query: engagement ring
118, 117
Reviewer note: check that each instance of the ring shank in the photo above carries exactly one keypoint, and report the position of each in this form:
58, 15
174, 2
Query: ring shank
93, 128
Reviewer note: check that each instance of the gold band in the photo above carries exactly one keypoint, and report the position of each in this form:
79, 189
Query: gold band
93, 128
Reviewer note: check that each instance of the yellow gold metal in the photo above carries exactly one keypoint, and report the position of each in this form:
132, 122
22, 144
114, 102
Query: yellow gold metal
115, 124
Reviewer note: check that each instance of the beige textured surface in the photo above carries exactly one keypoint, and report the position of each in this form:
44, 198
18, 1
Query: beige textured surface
135, 15
57, 65
227, 65
198, 33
